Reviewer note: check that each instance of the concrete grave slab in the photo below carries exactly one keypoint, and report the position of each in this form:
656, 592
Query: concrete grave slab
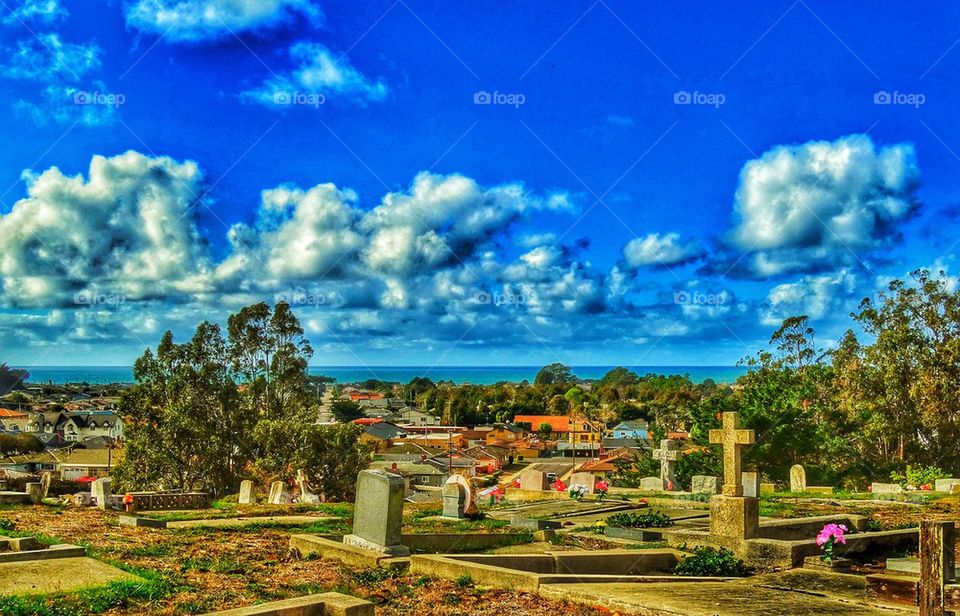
57, 575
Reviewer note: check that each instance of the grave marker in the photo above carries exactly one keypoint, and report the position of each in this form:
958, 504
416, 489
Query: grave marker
35, 492
100, 491
45, 480
378, 513
937, 566
667, 454
652, 483
279, 493
751, 483
306, 495
587, 480
247, 495
705, 484
733, 440
533, 479
798, 478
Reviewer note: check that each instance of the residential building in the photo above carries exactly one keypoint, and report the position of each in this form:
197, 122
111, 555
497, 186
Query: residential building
636, 429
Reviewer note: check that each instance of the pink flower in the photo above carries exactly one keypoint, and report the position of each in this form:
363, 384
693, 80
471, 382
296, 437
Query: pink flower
832, 531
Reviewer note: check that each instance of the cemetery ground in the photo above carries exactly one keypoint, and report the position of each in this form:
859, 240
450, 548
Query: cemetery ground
202, 569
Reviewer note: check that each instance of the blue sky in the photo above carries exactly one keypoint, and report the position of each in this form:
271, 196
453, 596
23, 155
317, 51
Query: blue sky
426, 182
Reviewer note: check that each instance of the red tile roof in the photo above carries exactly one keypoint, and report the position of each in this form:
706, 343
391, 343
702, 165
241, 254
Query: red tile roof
558, 423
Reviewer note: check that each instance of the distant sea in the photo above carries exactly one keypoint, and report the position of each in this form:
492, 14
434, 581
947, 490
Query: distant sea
477, 375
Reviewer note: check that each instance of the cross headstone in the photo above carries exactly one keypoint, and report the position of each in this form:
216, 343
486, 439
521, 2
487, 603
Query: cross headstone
306, 495
733, 441
378, 513
667, 454
798, 478
247, 496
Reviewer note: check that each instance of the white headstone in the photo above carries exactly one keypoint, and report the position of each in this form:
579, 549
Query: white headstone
247, 496
751, 483
652, 483
798, 478
587, 480
705, 484
306, 496
101, 492
279, 493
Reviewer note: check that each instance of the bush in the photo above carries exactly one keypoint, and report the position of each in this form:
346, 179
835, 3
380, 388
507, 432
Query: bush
651, 519
711, 562
917, 476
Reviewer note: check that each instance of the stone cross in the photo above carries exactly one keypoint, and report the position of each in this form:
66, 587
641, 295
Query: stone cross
733, 440
667, 454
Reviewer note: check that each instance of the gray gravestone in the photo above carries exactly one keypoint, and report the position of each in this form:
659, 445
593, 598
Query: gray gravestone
534, 480
378, 513
81, 499
279, 493
705, 484
35, 492
454, 501
798, 479
45, 480
751, 483
651, 483
100, 491
247, 496
587, 480
667, 454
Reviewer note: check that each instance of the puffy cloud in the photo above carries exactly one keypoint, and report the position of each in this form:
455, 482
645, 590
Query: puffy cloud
198, 20
41, 11
815, 296
319, 74
126, 231
660, 251
806, 207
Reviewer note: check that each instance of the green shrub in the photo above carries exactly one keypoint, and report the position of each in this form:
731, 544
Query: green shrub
916, 476
711, 562
650, 519
464, 580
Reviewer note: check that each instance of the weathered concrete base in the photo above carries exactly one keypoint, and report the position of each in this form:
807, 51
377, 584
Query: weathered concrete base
30, 550
325, 604
790, 553
389, 550
529, 572
734, 516
60, 575
334, 549
284, 520
14, 498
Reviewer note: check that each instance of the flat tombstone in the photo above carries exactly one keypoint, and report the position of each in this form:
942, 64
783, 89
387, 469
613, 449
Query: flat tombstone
768, 488
35, 492
247, 496
279, 493
705, 484
652, 483
886, 488
946, 485
45, 480
587, 480
798, 478
751, 483
378, 513
533, 479
100, 490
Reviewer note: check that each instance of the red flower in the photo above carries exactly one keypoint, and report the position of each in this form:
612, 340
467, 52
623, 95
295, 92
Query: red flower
560, 486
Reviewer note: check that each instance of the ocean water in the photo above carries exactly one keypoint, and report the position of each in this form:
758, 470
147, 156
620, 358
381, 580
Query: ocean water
478, 375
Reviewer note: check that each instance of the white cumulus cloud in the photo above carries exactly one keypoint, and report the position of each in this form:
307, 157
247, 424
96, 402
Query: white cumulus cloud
660, 250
